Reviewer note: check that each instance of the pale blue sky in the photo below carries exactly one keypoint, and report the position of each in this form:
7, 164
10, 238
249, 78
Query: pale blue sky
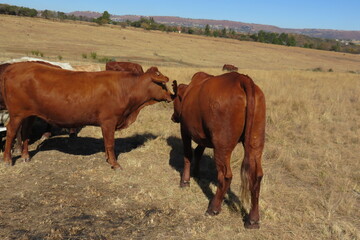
323, 14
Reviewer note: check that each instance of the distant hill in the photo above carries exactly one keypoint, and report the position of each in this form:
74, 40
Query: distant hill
237, 26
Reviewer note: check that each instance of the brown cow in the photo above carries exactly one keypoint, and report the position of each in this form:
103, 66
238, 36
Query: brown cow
229, 67
109, 99
125, 66
218, 112
30, 120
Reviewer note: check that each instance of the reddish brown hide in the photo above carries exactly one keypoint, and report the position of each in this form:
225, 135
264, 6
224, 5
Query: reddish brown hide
2, 69
125, 67
30, 120
109, 99
218, 112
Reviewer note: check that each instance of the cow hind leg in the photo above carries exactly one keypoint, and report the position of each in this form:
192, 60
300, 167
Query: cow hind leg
255, 176
251, 174
17, 147
25, 137
12, 129
222, 161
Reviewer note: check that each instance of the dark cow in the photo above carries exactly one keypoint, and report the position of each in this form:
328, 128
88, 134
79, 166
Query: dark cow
218, 112
109, 99
230, 68
125, 67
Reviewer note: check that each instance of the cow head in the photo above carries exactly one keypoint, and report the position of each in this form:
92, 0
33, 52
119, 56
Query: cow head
179, 95
158, 89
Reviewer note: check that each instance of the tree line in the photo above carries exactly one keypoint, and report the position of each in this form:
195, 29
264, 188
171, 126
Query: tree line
151, 24
18, 11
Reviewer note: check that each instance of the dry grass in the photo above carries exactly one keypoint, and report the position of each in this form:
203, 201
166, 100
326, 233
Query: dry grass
311, 187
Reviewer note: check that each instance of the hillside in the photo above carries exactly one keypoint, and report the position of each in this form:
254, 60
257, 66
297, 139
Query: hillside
237, 26
71, 40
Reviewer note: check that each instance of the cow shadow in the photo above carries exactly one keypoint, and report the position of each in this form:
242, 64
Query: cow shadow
86, 146
207, 175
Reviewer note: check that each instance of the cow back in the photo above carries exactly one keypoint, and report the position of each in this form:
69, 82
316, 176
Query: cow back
213, 104
125, 66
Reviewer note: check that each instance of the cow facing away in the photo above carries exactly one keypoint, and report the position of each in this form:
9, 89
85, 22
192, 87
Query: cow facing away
218, 112
230, 68
109, 99
125, 67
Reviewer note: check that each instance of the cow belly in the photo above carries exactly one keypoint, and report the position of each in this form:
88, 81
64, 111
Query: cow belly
205, 142
199, 134
67, 117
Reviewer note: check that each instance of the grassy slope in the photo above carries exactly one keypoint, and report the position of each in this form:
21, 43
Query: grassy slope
311, 164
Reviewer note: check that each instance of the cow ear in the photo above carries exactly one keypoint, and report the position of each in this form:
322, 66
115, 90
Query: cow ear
175, 88
158, 77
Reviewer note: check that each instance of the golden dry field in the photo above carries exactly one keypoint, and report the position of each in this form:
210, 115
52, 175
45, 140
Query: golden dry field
311, 184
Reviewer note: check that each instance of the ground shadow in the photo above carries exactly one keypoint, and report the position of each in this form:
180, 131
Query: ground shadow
207, 175
88, 146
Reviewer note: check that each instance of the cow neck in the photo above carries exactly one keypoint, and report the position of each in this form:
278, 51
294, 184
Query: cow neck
138, 92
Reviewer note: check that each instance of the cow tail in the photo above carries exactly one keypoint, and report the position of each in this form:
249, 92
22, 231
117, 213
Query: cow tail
248, 168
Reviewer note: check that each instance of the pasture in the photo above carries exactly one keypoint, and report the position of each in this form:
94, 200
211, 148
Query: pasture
311, 184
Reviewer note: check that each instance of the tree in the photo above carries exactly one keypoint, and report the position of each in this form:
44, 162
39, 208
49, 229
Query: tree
216, 33
207, 30
223, 32
104, 19
335, 47
47, 14
292, 42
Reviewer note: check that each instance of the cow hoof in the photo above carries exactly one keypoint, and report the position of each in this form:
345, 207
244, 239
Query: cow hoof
27, 159
211, 212
184, 184
252, 225
8, 164
45, 136
117, 167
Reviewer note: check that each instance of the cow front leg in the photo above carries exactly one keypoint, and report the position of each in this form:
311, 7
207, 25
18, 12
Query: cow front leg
185, 177
11, 131
222, 161
108, 131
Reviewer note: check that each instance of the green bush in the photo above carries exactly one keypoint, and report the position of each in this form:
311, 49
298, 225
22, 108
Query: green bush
93, 55
106, 59
37, 53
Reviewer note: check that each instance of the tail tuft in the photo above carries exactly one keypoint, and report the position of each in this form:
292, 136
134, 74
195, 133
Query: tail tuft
245, 192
